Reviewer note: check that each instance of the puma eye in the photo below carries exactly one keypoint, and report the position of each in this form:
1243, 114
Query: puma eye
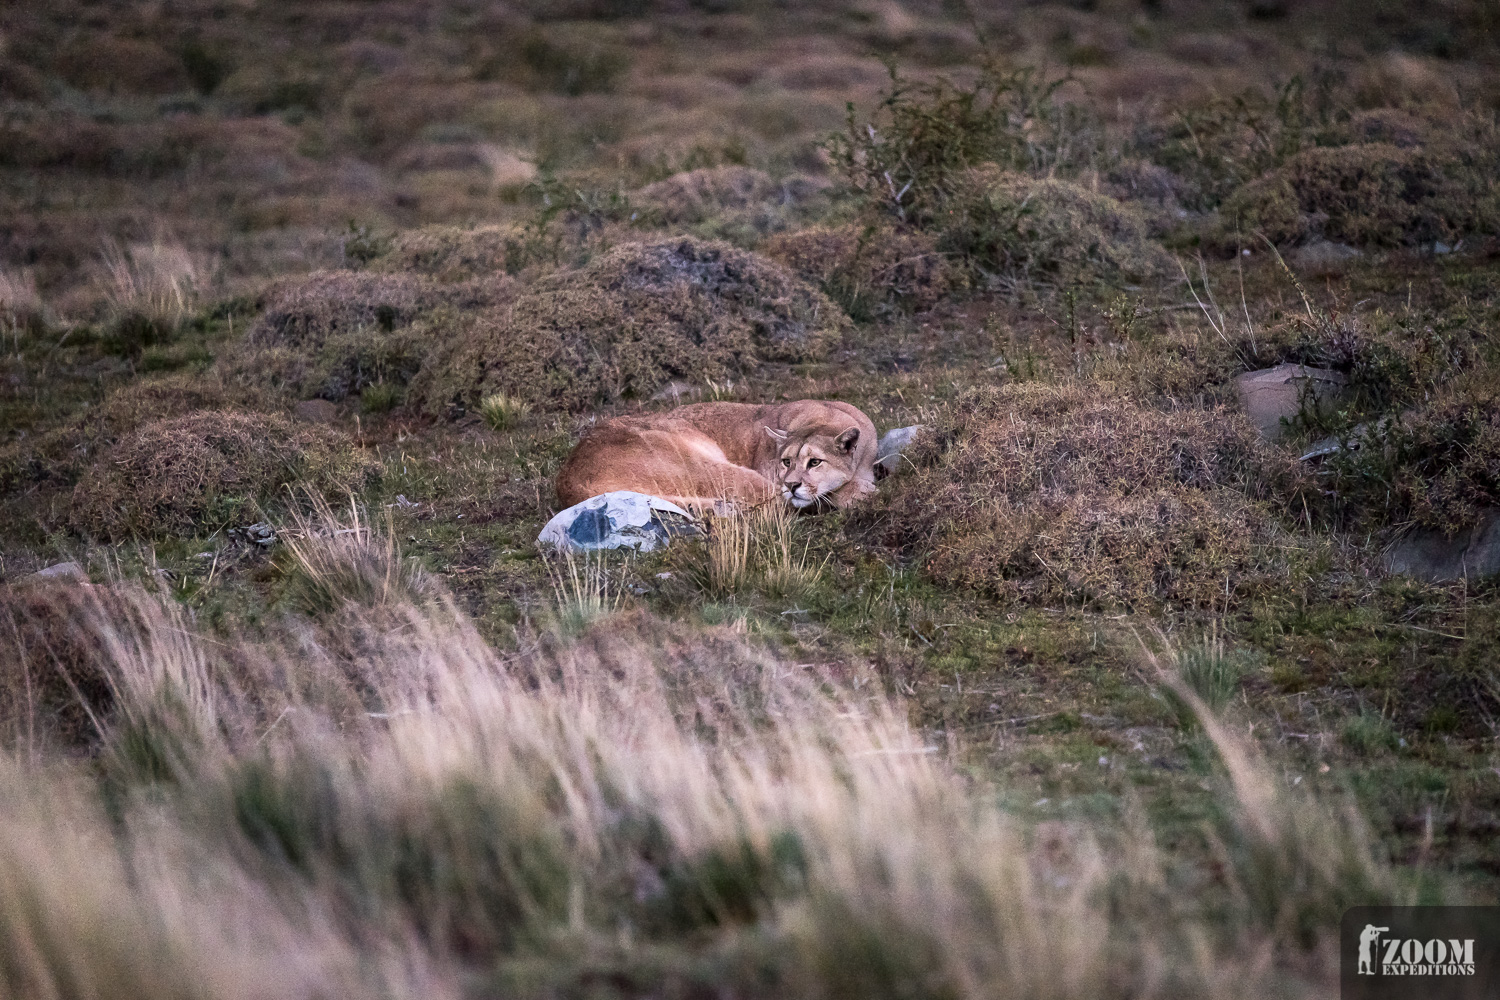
813, 462
786, 463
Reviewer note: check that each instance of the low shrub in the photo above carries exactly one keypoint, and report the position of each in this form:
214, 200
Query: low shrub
449, 253
1074, 492
1371, 194
1023, 229
186, 474
305, 312
59, 455
696, 195
628, 323
912, 158
1435, 466
867, 269
334, 334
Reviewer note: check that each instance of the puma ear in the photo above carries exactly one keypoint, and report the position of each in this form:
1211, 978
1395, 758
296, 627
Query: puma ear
776, 435
848, 439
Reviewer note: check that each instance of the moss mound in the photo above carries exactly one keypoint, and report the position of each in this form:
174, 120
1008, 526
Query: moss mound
184, 474
867, 269
450, 253
1022, 229
1370, 194
627, 323
334, 334
307, 311
1076, 493
59, 455
696, 195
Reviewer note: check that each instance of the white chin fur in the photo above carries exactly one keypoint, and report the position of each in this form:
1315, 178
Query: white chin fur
799, 503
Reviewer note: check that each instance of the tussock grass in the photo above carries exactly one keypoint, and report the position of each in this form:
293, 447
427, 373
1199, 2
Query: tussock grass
661, 805
1075, 491
338, 561
585, 589
1212, 669
20, 303
154, 286
689, 309
503, 412
762, 547
209, 466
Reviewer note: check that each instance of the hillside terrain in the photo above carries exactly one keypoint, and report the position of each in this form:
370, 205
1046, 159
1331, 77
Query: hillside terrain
1130, 679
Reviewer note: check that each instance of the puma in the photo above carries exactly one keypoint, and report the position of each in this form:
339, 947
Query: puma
806, 452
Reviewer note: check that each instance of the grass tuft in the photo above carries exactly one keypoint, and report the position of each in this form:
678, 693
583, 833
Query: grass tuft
338, 561
150, 288
503, 412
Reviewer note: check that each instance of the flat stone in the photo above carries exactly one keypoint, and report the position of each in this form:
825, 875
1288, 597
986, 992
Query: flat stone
317, 411
622, 519
1434, 557
1273, 395
892, 444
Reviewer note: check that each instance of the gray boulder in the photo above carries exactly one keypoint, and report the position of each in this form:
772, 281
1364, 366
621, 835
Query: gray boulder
1434, 557
622, 519
1272, 395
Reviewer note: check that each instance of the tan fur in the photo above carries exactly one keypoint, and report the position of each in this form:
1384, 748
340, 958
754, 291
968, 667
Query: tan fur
708, 452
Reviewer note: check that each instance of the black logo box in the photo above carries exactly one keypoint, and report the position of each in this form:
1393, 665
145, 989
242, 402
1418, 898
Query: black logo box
1421, 981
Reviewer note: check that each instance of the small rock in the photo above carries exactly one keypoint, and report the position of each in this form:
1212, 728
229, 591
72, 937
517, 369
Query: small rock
1433, 556
62, 571
404, 503
1322, 258
1441, 248
622, 519
892, 444
261, 534
678, 391
1358, 438
317, 411
1272, 395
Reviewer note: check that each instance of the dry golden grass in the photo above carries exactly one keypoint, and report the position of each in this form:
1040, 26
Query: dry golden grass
338, 561
159, 281
20, 304
761, 547
639, 788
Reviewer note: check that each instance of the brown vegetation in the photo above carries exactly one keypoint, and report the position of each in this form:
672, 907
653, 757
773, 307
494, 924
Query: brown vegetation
209, 468
696, 195
1075, 493
1025, 229
1372, 194
629, 322
449, 253
54, 689
868, 269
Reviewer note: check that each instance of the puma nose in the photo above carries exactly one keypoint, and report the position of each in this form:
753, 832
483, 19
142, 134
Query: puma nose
794, 487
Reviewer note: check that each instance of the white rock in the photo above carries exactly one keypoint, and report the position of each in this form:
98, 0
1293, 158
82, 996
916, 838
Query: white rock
892, 444
622, 519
